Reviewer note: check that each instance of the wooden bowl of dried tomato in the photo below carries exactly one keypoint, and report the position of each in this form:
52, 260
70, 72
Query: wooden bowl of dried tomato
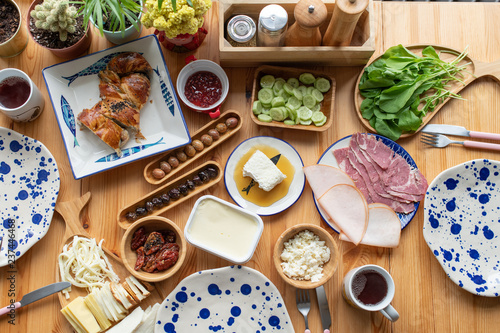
153, 248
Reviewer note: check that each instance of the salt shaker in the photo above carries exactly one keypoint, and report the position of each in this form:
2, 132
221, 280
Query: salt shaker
273, 23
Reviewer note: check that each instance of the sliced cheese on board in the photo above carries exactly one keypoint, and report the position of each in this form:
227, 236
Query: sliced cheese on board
129, 323
147, 324
322, 177
81, 314
347, 207
384, 227
97, 311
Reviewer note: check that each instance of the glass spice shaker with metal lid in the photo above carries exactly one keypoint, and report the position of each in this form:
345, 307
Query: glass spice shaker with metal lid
241, 31
273, 23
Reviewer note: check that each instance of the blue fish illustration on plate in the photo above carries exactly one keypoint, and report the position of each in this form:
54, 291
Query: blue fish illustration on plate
165, 92
69, 118
128, 151
98, 66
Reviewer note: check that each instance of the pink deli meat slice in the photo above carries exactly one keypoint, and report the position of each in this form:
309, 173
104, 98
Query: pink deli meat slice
322, 177
347, 207
384, 227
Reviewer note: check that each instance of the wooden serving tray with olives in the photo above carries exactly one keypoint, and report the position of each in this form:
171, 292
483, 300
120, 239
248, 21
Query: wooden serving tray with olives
171, 194
205, 139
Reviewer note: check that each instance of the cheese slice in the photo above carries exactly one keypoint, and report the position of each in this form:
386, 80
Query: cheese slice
147, 324
97, 311
83, 315
129, 323
72, 320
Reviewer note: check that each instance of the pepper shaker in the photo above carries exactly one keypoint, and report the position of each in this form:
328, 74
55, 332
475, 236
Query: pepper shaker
273, 23
343, 22
309, 15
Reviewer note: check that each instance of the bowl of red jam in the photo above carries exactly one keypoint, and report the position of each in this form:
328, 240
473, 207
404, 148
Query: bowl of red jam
203, 85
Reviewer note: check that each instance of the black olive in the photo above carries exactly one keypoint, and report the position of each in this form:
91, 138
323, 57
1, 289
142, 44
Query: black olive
141, 211
212, 172
149, 206
165, 198
183, 189
190, 185
131, 216
174, 194
203, 176
197, 180
157, 202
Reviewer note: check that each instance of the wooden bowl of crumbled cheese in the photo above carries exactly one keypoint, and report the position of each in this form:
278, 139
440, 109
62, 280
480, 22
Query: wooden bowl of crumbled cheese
306, 256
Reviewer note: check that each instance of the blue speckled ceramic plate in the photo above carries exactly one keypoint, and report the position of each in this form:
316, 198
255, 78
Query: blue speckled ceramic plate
462, 225
73, 86
328, 159
296, 187
29, 182
228, 299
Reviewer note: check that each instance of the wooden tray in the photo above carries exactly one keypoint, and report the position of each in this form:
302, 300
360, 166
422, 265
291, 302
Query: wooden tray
70, 212
148, 170
473, 71
286, 73
125, 224
358, 53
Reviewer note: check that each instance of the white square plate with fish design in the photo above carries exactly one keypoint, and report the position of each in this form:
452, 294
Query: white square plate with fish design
74, 86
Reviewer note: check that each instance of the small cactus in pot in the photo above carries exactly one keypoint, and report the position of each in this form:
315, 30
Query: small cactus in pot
56, 16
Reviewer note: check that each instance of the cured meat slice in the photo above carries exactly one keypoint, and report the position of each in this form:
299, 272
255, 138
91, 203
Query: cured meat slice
347, 207
384, 227
322, 177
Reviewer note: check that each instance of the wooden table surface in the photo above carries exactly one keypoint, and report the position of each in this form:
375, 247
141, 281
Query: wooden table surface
427, 300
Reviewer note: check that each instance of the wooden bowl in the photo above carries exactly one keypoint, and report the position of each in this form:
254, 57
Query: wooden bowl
286, 73
148, 170
150, 224
328, 269
141, 202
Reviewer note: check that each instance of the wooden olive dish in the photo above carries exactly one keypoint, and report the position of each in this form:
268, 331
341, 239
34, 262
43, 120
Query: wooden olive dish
150, 224
474, 70
328, 269
155, 164
327, 104
141, 202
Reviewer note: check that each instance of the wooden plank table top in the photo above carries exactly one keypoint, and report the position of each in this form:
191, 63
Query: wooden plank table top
427, 300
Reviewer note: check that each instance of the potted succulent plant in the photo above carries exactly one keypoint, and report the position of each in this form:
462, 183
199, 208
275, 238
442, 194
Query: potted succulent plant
13, 37
118, 20
178, 23
54, 24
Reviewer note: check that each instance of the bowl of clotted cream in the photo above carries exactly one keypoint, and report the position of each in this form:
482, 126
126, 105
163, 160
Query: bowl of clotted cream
223, 229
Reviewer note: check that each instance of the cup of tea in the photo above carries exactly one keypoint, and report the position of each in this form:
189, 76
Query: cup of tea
370, 288
20, 98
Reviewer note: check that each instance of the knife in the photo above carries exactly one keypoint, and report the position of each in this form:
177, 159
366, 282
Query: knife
459, 131
35, 296
324, 311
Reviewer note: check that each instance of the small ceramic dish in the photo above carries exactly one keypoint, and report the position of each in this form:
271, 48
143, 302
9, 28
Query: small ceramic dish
223, 229
328, 269
327, 104
145, 202
150, 224
203, 66
155, 164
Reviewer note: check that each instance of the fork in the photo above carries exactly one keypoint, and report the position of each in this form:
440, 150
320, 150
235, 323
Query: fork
441, 141
303, 304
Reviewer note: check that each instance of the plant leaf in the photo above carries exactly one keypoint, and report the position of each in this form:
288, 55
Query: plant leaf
174, 5
387, 128
190, 3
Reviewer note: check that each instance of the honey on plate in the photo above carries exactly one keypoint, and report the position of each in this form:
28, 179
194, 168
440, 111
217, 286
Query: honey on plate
250, 190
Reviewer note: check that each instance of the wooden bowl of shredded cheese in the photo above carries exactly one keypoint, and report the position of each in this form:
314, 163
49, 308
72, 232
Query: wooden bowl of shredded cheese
306, 256
152, 224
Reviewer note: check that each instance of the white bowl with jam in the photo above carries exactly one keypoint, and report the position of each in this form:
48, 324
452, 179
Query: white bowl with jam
202, 85
223, 229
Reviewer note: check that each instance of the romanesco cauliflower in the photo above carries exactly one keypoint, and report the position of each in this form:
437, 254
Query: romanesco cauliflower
186, 20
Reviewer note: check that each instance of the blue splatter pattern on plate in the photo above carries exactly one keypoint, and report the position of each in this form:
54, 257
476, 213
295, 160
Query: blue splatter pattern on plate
228, 299
29, 179
462, 225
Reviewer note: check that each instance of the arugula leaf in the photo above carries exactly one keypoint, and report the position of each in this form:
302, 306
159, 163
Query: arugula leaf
387, 128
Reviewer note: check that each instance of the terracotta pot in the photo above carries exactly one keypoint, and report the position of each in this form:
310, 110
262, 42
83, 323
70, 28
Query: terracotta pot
183, 43
17, 43
72, 51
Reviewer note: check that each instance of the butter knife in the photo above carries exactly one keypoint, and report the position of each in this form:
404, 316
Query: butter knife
459, 131
35, 296
324, 311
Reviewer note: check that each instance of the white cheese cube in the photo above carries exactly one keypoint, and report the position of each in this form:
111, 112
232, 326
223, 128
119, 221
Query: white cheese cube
262, 170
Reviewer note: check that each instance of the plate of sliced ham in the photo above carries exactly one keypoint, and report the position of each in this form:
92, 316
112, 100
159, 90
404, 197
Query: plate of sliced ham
382, 171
